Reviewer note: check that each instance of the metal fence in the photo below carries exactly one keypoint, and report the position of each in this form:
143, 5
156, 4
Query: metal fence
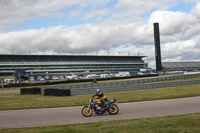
129, 85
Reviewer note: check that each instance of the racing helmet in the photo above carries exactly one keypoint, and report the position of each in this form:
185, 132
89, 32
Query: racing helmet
98, 90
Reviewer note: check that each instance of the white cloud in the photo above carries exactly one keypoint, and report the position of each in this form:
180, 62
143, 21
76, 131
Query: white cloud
180, 34
175, 25
195, 11
179, 49
17, 11
139, 7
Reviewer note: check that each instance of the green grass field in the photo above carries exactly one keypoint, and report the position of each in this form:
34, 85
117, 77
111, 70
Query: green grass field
16, 101
187, 123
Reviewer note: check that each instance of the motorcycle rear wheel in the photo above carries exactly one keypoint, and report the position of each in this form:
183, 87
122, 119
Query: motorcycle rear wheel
113, 109
87, 112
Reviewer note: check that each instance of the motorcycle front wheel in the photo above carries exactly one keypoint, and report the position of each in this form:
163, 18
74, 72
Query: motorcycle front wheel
87, 112
113, 109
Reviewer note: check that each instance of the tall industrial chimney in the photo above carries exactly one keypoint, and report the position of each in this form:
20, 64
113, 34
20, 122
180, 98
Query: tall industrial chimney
157, 47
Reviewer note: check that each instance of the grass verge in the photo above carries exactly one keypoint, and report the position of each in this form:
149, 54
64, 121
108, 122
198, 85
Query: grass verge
14, 100
6, 77
187, 123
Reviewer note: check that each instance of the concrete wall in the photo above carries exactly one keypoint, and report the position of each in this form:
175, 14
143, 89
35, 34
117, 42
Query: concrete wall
105, 89
129, 85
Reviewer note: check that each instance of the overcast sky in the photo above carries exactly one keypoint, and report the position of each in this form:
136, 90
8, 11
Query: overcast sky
114, 27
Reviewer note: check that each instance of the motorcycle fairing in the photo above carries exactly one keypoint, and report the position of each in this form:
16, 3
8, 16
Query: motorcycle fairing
111, 101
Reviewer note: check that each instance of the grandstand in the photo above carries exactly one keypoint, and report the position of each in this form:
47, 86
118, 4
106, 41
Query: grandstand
69, 63
181, 66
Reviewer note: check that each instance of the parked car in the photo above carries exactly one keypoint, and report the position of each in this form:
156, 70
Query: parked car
42, 79
55, 78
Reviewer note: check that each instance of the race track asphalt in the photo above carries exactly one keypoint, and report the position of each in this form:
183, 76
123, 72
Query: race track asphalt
70, 115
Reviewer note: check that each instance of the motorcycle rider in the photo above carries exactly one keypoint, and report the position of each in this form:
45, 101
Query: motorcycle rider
101, 97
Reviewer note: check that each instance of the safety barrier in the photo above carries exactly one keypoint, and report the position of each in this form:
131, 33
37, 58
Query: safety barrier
30, 91
129, 82
107, 89
127, 85
57, 92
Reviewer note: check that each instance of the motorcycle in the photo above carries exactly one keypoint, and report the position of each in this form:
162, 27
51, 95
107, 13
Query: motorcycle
99, 108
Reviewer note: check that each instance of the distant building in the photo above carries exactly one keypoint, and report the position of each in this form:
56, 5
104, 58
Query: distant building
181, 66
69, 63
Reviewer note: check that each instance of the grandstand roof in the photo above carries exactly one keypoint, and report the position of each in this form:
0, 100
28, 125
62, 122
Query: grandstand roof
68, 59
97, 56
